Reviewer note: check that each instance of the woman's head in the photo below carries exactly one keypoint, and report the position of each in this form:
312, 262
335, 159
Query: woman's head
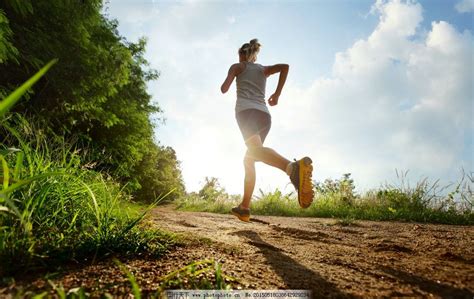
248, 52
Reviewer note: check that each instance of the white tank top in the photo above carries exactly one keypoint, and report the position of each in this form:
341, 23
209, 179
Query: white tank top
251, 88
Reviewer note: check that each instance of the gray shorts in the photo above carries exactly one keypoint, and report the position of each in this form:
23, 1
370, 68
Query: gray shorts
254, 122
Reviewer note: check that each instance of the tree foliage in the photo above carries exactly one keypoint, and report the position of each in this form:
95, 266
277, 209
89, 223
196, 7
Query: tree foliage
96, 93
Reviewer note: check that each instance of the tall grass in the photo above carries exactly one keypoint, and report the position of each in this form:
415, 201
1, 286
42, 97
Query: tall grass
422, 202
211, 198
15, 96
53, 208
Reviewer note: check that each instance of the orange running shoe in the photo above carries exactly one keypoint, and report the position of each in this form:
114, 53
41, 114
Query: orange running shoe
242, 214
301, 178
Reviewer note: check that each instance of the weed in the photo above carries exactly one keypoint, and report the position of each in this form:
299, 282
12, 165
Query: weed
206, 274
346, 221
423, 202
53, 210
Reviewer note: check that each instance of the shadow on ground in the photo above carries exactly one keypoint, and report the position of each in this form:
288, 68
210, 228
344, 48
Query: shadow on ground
294, 274
429, 286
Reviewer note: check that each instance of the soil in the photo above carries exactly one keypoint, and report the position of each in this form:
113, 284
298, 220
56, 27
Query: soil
363, 259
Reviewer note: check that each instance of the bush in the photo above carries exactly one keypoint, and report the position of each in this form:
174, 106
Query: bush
336, 199
54, 208
342, 188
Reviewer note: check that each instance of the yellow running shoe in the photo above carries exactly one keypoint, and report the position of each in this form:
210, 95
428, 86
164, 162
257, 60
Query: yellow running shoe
242, 214
301, 177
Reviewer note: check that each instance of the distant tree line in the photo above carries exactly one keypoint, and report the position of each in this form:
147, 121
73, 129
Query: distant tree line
95, 95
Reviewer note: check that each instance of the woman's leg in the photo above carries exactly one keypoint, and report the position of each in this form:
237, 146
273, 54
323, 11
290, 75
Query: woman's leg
258, 152
255, 121
255, 125
249, 181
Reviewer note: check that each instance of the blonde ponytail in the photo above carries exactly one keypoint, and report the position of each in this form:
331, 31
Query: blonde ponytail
250, 50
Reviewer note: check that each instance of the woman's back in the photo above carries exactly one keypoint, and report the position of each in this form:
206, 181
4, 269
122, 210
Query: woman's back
251, 88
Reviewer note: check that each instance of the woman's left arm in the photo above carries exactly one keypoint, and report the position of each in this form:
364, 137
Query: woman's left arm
283, 70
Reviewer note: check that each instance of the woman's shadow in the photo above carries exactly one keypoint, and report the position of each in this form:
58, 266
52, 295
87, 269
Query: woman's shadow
295, 275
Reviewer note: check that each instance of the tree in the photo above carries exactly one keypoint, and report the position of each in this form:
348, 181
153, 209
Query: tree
96, 94
159, 175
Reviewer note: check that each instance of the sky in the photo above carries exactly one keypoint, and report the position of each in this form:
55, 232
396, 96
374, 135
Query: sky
374, 87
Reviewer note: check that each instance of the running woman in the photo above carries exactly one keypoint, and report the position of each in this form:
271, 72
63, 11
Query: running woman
254, 120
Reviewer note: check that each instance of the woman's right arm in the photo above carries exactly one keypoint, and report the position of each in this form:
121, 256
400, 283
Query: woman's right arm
234, 70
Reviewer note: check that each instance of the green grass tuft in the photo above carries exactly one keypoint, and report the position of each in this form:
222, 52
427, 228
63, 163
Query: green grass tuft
424, 202
53, 208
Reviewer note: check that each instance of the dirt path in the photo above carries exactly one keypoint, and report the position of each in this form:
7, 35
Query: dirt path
363, 260
367, 259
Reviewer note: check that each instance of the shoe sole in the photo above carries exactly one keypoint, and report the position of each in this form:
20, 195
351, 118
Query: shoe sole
305, 199
242, 218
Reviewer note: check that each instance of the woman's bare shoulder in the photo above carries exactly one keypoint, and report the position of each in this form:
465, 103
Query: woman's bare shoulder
238, 68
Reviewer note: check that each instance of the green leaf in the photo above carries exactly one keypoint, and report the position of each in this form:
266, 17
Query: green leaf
7, 103
9, 150
6, 172
18, 165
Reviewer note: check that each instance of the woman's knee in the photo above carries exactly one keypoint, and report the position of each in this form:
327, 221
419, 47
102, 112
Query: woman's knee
254, 141
255, 152
249, 163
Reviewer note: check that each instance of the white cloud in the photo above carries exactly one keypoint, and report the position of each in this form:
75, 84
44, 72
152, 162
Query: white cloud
393, 101
200, 120
464, 6
129, 13
231, 19
401, 98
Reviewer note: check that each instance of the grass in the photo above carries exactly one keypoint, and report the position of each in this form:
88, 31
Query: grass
54, 209
346, 221
15, 96
423, 202
203, 275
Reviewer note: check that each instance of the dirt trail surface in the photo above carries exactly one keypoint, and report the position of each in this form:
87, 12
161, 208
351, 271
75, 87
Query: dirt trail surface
365, 259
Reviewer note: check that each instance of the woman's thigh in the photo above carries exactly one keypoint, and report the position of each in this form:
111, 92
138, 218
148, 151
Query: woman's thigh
252, 123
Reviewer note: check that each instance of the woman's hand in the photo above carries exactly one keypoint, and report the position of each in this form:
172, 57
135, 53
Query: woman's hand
273, 100
283, 70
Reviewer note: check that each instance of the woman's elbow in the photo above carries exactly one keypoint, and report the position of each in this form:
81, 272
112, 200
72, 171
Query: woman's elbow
224, 88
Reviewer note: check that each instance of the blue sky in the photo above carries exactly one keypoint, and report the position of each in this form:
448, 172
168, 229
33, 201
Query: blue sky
374, 86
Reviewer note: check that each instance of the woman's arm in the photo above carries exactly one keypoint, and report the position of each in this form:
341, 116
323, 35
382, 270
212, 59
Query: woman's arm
234, 70
283, 70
